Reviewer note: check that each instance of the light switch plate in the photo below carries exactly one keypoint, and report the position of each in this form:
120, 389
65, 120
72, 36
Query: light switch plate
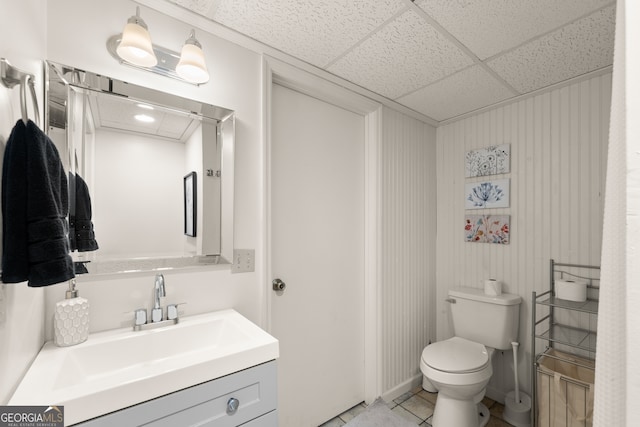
243, 261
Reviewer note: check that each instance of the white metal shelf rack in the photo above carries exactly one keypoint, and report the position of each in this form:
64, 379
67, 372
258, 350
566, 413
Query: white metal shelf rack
557, 327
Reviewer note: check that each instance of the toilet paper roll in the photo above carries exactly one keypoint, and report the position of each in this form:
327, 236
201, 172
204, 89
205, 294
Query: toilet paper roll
492, 287
572, 290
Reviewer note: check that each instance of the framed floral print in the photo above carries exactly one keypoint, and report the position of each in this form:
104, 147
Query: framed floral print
487, 194
487, 229
491, 160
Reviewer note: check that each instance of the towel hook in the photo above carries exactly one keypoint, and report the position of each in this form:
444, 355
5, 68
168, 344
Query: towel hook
26, 81
11, 76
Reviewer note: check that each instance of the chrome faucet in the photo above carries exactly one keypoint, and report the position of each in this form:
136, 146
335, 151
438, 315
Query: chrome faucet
157, 320
159, 291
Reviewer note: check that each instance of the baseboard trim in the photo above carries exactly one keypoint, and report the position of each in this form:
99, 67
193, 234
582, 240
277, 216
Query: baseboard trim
495, 394
402, 388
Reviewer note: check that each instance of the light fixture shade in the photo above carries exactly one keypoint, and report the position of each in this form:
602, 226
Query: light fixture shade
135, 46
192, 66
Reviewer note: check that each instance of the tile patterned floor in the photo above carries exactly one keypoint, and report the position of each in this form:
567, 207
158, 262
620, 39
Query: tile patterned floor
417, 406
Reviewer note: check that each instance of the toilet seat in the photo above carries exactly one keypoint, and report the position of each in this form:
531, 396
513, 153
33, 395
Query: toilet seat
456, 356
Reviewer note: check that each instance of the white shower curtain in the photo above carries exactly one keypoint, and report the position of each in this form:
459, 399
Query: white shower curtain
617, 383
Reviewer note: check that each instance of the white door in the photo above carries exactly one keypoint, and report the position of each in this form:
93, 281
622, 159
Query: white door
317, 250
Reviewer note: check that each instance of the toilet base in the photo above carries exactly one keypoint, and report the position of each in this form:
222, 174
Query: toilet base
483, 415
460, 413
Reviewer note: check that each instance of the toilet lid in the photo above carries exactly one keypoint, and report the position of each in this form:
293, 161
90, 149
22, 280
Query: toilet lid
456, 355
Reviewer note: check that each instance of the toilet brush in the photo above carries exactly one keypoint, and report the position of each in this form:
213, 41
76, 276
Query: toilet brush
517, 406
514, 345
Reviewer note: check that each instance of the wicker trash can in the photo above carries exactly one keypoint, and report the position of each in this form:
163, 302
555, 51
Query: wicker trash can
564, 390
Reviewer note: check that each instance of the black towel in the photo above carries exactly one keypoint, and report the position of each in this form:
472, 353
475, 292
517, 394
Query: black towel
82, 235
35, 243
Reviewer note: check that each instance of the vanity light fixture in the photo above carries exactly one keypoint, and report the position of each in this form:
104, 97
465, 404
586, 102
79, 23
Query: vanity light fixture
133, 47
192, 66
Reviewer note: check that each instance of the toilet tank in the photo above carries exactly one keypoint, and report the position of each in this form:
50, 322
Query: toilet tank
485, 319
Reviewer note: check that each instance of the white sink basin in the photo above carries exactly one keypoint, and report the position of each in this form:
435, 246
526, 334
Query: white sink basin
116, 369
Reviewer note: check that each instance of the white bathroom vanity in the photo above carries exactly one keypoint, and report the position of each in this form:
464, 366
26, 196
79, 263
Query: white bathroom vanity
214, 369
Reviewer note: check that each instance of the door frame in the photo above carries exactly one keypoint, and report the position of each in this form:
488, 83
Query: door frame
278, 72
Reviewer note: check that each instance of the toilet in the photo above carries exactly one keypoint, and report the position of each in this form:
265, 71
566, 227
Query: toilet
459, 368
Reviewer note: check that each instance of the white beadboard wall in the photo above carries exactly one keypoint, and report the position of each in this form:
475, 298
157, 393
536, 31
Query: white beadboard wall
407, 218
558, 159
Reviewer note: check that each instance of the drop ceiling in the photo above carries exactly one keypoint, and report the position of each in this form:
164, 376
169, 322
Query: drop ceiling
118, 113
441, 58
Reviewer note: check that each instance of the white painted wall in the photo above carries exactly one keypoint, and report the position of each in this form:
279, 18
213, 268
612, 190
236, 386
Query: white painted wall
558, 163
407, 245
21, 307
138, 196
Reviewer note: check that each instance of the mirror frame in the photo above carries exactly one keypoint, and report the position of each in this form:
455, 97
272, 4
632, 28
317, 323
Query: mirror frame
61, 79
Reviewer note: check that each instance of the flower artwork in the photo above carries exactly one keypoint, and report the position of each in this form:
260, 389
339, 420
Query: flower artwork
487, 229
488, 161
490, 194
487, 194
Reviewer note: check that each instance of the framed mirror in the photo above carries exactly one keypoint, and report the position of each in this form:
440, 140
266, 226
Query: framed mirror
129, 151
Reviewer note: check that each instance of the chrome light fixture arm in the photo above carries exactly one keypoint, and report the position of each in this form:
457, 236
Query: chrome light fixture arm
167, 60
133, 47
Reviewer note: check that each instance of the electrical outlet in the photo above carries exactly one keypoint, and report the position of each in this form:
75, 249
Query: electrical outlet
243, 261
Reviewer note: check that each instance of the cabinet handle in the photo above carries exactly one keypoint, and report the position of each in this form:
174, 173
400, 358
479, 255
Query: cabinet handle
232, 406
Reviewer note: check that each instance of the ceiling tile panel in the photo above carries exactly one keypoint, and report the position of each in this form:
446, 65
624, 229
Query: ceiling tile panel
462, 92
203, 7
487, 31
580, 47
314, 31
403, 56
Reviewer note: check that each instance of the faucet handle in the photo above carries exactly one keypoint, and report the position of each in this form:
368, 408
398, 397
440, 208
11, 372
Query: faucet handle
156, 315
140, 316
172, 311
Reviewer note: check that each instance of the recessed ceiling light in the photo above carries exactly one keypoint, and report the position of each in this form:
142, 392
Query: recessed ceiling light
144, 118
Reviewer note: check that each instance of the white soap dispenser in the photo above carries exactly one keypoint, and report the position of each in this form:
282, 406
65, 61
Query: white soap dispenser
71, 319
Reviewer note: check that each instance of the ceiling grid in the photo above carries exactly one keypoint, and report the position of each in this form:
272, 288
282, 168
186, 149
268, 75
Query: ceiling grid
441, 58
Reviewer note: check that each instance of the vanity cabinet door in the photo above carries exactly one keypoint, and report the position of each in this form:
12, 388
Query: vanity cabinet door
233, 400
